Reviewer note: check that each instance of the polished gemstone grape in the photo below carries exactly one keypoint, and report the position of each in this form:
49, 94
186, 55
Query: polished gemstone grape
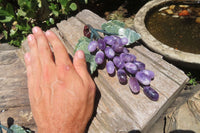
118, 62
99, 57
101, 44
117, 40
140, 65
121, 74
149, 73
127, 57
125, 50
142, 78
109, 40
134, 85
110, 67
124, 40
151, 93
117, 47
131, 68
92, 46
109, 52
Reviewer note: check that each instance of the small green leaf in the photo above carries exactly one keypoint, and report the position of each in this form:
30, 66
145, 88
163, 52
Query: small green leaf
39, 3
51, 20
63, 2
54, 8
73, 6
6, 16
5, 33
20, 12
13, 32
6, 19
10, 9
83, 45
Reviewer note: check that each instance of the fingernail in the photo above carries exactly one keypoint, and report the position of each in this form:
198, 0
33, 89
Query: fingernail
80, 54
35, 29
47, 32
30, 37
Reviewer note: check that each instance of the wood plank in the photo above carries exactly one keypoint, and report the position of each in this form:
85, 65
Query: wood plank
14, 102
144, 112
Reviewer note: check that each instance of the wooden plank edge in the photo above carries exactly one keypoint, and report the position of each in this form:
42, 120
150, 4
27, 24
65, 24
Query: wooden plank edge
164, 108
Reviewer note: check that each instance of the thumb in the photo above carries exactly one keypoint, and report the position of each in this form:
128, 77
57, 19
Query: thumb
80, 65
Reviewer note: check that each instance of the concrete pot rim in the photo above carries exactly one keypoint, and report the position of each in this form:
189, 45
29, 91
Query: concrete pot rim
157, 46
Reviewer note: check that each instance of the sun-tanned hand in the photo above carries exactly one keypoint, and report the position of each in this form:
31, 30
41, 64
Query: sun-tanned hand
61, 93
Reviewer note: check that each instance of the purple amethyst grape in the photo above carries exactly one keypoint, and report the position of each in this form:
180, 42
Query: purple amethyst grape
118, 62
127, 57
151, 93
101, 44
149, 73
131, 68
121, 74
110, 67
125, 50
124, 40
140, 65
142, 78
118, 48
109, 40
109, 52
99, 57
92, 46
134, 85
117, 40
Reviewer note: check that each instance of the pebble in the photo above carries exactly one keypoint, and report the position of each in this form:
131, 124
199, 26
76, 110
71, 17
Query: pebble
197, 20
172, 7
183, 6
163, 8
175, 15
169, 11
163, 14
198, 13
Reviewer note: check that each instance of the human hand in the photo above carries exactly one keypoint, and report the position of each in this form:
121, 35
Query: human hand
61, 93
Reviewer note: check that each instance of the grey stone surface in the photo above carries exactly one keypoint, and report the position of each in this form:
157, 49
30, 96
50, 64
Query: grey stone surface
182, 115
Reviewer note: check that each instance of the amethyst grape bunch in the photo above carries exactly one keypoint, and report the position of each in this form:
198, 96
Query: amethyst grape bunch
111, 50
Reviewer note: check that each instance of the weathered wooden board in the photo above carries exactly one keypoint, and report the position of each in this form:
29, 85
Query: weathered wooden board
14, 102
117, 109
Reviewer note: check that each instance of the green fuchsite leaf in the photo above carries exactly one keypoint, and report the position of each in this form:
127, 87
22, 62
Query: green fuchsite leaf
17, 129
130, 34
83, 45
117, 27
112, 26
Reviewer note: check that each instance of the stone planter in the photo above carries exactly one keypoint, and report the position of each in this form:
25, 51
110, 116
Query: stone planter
175, 56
